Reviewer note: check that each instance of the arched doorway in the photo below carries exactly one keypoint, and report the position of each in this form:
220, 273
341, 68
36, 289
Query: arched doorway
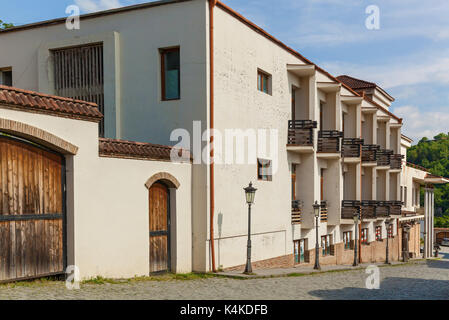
159, 228
32, 210
162, 198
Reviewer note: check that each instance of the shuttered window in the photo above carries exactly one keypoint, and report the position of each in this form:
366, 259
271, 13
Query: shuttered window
79, 74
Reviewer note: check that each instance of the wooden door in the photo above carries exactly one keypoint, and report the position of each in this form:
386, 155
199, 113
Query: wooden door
31, 211
159, 228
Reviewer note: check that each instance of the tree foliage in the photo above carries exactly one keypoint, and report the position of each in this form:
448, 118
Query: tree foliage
434, 155
5, 25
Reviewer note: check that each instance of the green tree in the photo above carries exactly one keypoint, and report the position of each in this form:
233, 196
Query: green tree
4, 25
434, 155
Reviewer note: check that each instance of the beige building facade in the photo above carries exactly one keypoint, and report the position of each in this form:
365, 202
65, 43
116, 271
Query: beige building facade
162, 68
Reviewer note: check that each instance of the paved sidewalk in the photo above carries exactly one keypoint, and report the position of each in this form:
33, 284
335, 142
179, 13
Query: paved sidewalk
306, 270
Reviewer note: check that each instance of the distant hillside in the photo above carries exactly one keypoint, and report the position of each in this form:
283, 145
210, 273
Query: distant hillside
434, 155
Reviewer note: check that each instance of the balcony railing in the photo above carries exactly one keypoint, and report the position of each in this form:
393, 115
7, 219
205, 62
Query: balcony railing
384, 157
300, 132
296, 211
368, 209
395, 208
383, 209
351, 148
369, 152
324, 210
396, 161
329, 141
349, 208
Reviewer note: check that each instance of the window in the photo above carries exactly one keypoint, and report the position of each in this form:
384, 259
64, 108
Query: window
264, 82
6, 77
326, 245
379, 233
390, 231
347, 238
170, 74
402, 193
413, 196
322, 184
364, 236
264, 170
78, 73
299, 250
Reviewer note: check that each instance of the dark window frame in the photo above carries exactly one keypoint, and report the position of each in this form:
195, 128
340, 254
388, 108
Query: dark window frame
261, 76
4, 71
378, 233
326, 249
162, 52
364, 236
347, 238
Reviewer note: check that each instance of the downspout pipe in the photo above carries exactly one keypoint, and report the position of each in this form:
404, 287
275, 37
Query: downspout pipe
212, 4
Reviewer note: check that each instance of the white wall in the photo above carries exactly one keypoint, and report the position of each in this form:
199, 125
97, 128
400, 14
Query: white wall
107, 203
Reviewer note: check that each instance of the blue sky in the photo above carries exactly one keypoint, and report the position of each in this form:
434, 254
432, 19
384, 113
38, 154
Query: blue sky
408, 56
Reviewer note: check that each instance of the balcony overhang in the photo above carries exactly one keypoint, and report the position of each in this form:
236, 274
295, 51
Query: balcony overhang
352, 160
383, 118
383, 167
395, 170
300, 149
351, 99
329, 87
369, 164
369, 110
412, 218
436, 180
395, 125
301, 70
328, 155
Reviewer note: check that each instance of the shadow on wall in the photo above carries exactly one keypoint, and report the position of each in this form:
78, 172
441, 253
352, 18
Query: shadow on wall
392, 289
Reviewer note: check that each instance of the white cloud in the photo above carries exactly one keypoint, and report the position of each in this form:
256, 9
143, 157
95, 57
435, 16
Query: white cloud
419, 124
426, 67
97, 5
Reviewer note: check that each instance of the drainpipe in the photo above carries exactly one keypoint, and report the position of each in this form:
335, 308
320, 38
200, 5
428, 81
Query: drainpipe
212, 4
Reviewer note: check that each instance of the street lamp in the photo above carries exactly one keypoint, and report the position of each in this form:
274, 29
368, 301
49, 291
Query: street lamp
388, 223
356, 226
316, 211
250, 193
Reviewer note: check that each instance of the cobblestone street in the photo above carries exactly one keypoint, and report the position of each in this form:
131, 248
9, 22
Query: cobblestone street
426, 280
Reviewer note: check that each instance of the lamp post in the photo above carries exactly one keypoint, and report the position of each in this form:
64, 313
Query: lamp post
250, 193
356, 227
388, 224
316, 211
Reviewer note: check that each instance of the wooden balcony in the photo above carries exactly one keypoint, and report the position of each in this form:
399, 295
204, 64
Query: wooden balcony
300, 132
351, 148
396, 161
369, 152
383, 209
350, 208
324, 211
329, 141
383, 157
395, 208
368, 209
296, 211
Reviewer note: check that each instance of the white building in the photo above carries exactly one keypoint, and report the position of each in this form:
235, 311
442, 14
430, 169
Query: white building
125, 209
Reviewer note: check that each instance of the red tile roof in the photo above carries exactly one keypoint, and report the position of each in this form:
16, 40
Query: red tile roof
137, 150
355, 83
44, 103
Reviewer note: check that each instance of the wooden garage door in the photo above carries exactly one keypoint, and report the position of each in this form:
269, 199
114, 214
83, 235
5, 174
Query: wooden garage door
31, 210
159, 228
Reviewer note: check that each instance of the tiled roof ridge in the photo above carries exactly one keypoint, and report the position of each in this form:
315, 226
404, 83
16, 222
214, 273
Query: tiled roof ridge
367, 84
134, 149
39, 102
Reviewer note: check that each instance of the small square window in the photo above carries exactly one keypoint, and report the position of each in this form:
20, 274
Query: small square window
264, 171
170, 74
264, 82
